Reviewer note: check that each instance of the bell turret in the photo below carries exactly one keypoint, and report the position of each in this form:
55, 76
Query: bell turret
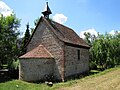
46, 11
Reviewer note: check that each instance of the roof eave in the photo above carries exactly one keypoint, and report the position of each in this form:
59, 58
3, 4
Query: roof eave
36, 57
76, 45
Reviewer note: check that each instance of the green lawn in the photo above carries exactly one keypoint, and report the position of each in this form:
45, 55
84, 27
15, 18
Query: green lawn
106, 80
21, 85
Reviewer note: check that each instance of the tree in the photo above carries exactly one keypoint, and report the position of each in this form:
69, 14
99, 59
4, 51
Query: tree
89, 38
25, 39
36, 21
105, 50
8, 39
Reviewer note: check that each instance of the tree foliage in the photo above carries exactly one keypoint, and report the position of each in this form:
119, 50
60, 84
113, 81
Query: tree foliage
36, 21
105, 50
25, 39
8, 38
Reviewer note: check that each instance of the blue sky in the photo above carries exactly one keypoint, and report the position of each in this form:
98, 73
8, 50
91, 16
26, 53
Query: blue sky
81, 15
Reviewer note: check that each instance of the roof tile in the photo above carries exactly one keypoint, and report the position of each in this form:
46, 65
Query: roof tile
38, 52
67, 34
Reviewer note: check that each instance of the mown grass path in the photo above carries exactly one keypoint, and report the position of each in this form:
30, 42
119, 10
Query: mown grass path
102, 81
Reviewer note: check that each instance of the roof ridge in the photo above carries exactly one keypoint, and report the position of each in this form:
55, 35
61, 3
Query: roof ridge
52, 23
62, 32
46, 50
63, 25
70, 31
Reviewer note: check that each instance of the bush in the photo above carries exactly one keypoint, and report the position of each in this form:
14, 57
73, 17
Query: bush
93, 66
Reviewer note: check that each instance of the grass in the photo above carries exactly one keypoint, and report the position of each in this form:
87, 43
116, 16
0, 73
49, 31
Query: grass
21, 85
106, 80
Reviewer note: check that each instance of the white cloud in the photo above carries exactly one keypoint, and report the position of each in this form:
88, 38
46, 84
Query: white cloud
5, 9
112, 32
92, 31
60, 18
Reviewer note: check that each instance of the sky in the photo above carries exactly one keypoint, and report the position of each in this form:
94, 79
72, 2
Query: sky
81, 15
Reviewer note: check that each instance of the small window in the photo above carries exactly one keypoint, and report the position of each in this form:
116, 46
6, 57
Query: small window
78, 54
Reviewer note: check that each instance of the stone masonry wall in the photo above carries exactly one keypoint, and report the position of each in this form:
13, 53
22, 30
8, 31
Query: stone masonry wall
46, 37
73, 65
36, 39
54, 46
35, 69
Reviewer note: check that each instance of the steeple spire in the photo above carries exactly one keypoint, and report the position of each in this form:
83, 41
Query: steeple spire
46, 11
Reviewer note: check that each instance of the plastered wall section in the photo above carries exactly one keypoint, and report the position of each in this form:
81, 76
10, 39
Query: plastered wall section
73, 65
35, 69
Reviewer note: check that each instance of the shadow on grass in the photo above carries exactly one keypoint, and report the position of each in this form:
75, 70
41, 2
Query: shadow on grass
72, 77
6, 76
82, 75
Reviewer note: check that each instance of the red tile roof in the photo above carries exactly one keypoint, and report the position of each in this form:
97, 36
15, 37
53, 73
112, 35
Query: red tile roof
67, 34
38, 52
